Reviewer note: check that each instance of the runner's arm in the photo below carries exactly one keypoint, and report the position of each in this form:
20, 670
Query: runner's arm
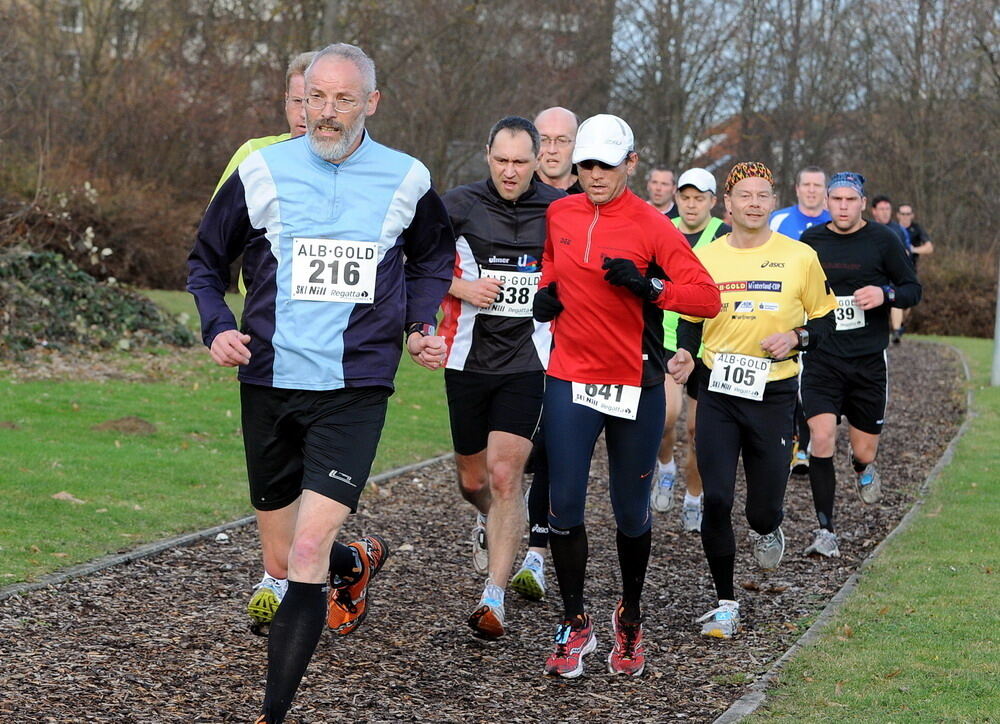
688, 288
903, 279
429, 245
222, 237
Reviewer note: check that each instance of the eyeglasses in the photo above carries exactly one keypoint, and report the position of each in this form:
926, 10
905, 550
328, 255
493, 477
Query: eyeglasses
589, 164
558, 141
341, 105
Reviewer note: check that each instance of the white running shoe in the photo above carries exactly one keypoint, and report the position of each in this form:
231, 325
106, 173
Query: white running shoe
825, 544
267, 597
480, 556
662, 498
691, 517
488, 620
870, 484
722, 622
529, 581
768, 549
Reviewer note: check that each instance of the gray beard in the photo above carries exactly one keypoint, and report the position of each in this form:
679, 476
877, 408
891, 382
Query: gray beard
333, 151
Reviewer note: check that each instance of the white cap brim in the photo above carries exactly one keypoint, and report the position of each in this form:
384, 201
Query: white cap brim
609, 154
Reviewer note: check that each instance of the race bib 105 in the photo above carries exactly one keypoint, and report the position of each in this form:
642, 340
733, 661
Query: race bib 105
334, 270
739, 375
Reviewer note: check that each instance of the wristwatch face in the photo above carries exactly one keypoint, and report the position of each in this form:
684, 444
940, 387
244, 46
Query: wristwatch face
657, 285
803, 336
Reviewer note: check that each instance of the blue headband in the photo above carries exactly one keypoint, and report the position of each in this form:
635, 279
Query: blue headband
847, 179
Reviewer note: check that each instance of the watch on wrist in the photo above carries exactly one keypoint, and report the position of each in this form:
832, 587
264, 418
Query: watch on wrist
655, 288
803, 334
424, 330
890, 294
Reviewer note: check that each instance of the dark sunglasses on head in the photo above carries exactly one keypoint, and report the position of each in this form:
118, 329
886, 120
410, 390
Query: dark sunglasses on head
589, 164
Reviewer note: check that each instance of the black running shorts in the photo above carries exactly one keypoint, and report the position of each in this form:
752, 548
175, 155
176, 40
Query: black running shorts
299, 440
853, 387
480, 403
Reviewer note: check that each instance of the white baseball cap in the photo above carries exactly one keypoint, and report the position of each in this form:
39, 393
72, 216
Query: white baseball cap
697, 177
603, 138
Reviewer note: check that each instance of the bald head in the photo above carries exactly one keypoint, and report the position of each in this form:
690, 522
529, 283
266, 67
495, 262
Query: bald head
557, 128
559, 115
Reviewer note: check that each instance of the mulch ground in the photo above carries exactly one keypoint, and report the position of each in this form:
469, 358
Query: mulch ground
163, 639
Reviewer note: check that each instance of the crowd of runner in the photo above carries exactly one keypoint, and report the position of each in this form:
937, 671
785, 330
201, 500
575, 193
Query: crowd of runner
570, 308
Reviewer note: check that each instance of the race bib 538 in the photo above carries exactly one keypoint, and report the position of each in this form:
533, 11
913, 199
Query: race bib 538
516, 295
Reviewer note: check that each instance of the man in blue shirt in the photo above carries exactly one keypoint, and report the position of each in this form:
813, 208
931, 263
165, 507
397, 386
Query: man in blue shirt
810, 190
810, 209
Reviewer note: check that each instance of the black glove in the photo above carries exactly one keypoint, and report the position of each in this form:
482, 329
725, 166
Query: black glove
623, 273
546, 305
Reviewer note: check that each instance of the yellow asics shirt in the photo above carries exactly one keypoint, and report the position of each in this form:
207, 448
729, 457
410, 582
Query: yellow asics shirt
771, 288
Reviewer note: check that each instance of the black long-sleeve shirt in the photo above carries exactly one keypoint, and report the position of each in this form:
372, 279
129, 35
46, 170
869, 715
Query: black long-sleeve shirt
870, 256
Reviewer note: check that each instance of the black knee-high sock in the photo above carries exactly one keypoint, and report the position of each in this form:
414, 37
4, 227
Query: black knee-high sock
823, 481
569, 556
721, 568
538, 509
344, 563
633, 558
291, 642
538, 496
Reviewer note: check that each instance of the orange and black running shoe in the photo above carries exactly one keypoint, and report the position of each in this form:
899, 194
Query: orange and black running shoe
347, 603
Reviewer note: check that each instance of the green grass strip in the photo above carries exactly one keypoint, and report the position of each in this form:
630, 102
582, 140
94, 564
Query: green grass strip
917, 641
72, 493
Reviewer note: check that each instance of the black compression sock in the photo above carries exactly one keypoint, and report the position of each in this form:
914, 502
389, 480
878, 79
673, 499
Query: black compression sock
344, 563
569, 556
538, 506
823, 481
291, 642
722, 575
633, 558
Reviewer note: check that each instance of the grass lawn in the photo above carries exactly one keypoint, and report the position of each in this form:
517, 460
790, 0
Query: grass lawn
116, 489
918, 640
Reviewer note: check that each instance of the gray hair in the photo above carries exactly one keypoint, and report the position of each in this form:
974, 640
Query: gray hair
297, 66
513, 124
354, 54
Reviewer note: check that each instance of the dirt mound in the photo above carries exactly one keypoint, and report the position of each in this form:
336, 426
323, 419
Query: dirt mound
129, 425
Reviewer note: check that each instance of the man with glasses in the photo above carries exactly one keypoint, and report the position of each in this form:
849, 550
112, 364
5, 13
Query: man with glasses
920, 245
295, 114
557, 131
612, 263
345, 246
748, 387
847, 375
557, 127
495, 370
270, 590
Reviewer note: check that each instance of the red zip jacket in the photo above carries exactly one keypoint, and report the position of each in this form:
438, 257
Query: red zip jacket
605, 334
